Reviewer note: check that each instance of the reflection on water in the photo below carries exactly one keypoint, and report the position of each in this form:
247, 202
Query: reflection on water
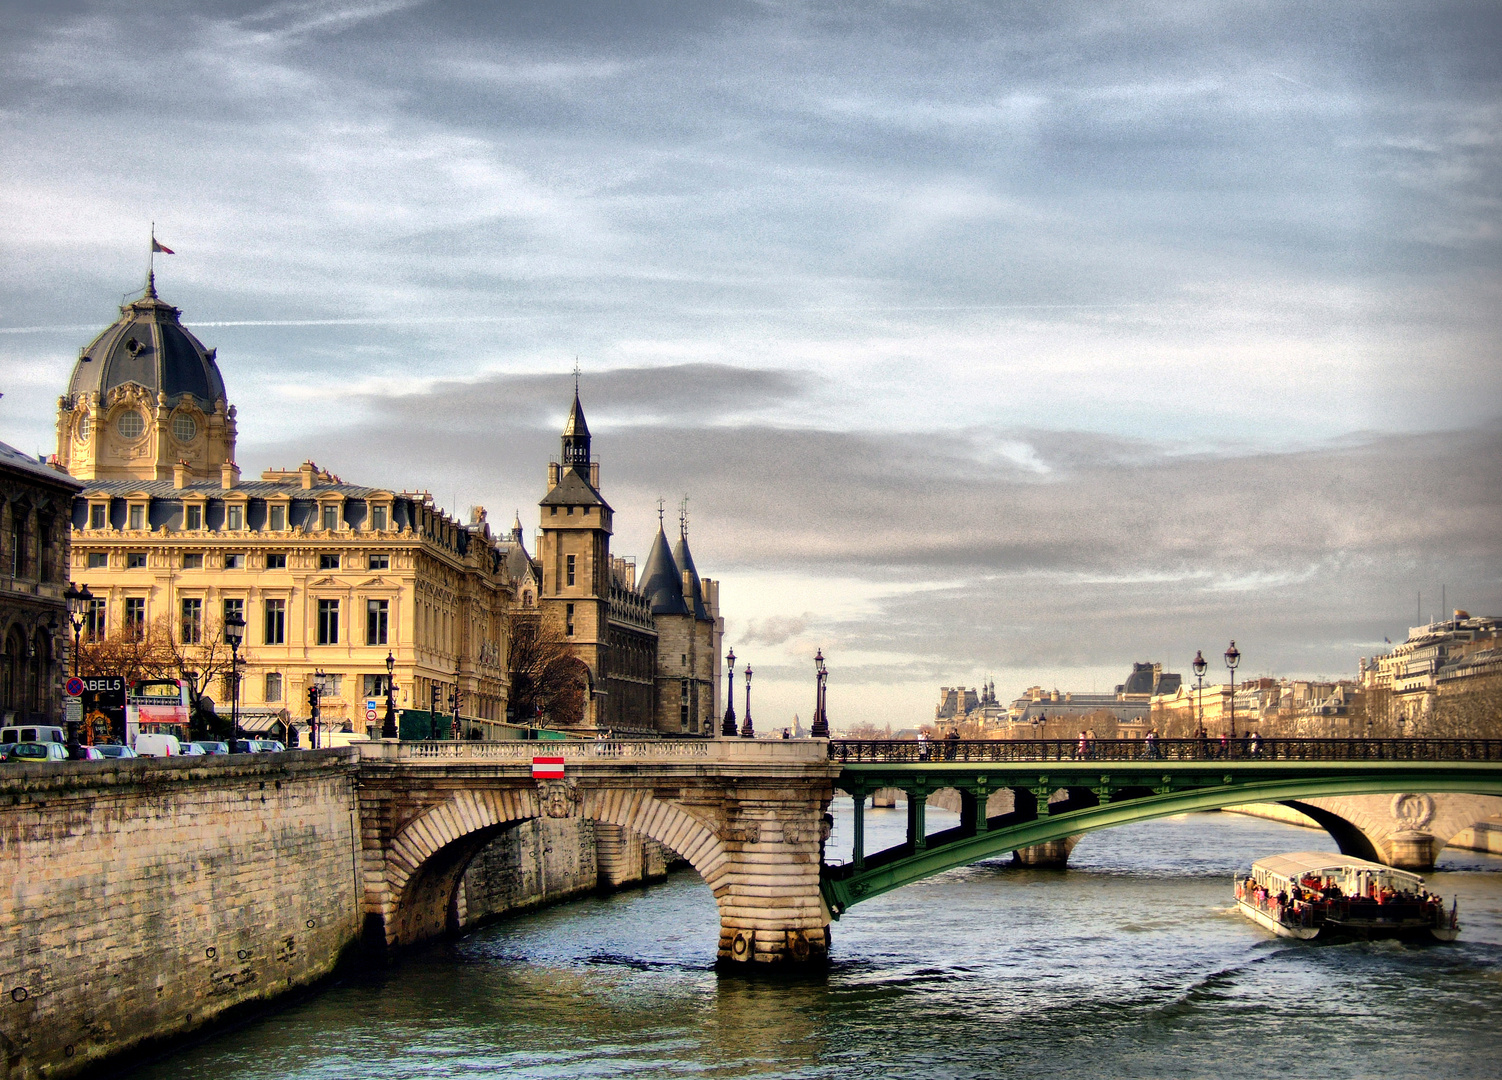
1131, 963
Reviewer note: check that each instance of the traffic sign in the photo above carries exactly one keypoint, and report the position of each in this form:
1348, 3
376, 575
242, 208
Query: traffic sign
73, 687
73, 710
370, 710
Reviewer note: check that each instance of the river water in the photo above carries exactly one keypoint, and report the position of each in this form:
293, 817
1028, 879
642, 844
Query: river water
1131, 963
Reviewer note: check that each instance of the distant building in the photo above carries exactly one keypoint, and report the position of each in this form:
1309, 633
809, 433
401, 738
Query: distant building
1128, 705
1441, 658
35, 636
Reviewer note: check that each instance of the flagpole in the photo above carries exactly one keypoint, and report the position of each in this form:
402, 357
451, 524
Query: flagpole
151, 258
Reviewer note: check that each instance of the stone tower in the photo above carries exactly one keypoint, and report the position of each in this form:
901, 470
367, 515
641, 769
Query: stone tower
574, 551
146, 402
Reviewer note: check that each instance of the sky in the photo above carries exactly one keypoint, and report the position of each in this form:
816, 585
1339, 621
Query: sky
1016, 341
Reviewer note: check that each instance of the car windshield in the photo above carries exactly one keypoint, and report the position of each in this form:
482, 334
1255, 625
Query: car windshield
28, 749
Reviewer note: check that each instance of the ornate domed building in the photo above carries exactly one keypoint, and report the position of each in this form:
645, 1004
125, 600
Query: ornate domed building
145, 397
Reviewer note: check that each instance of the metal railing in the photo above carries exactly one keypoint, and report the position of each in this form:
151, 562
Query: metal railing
942, 751
569, 750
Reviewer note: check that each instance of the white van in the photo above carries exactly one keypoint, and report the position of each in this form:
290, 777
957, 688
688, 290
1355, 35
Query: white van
149, 745
32, 733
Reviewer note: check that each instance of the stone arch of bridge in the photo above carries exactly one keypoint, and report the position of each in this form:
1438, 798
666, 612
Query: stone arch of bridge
844, 886
419, 896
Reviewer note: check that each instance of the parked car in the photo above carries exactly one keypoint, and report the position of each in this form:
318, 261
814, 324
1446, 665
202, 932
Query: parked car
36, 751
151, 745
191, 749
115, 750
248, 746
270, 746
209, 746
19, 733
87, 753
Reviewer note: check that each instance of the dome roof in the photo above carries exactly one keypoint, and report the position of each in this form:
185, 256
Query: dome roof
147, 345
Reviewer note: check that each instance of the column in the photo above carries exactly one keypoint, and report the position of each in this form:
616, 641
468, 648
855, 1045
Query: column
858, 853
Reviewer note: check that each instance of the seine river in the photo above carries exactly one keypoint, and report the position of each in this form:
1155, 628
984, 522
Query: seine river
1130, 964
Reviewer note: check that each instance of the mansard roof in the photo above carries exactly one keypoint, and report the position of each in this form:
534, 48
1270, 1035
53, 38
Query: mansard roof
661, 583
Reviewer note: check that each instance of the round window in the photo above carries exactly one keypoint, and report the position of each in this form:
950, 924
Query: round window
130, 425
183, 428
84, 426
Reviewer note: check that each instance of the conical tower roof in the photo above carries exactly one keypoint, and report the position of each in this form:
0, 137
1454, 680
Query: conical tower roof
576, 424
661, 583
695, 596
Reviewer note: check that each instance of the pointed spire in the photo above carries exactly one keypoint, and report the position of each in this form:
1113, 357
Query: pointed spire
693, 592
516, 527
576, 435
151, 284
661, 582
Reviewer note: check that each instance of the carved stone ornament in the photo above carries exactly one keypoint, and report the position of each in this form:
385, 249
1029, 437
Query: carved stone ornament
1412, 811
746, 833
792, 834
558, 798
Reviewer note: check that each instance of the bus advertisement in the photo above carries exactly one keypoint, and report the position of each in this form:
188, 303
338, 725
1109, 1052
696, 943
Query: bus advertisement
157, 707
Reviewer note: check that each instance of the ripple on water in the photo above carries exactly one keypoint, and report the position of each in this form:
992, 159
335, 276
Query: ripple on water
1130, 964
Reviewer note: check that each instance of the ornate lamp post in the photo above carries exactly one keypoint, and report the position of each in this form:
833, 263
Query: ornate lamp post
1233, 657
820, 726
1199, 667
747, 731
455, 699
388, 726
727, 729
79, 599
234, 633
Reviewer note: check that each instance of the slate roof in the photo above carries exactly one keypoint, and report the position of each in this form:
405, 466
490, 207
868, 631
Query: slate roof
167, 489
147, 345
685, 560
11, 458
660, 581
573, 490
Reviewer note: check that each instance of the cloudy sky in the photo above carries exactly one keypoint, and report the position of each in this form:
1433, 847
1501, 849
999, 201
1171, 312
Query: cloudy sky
1011, 340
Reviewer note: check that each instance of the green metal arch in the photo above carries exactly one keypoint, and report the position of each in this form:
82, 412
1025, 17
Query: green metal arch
841, 893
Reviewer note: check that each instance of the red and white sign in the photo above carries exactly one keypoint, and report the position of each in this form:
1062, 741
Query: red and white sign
547, 768
74, 687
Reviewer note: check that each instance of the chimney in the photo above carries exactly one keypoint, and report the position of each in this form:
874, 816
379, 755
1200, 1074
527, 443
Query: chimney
594, 475
229, 475
180, 475
305, 471
552, 475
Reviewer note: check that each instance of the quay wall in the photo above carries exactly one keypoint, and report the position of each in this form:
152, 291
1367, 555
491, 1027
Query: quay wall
142, 899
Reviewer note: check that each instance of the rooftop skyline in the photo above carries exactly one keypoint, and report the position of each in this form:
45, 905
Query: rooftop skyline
1024, 343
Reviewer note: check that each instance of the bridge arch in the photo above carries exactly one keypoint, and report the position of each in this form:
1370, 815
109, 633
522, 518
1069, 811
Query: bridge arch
418, 895
891, 869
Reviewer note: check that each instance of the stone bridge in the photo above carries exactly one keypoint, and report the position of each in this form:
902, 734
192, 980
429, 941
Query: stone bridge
747, 815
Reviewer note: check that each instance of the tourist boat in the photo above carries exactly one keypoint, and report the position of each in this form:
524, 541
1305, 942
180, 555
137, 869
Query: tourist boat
1309, 894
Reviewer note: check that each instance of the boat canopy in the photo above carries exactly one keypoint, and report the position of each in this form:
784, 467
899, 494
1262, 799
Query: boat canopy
1295, 866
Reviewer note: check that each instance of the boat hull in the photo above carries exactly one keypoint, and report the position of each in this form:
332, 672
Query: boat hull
1366, 931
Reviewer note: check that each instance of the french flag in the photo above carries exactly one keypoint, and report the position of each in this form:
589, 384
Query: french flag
547, 768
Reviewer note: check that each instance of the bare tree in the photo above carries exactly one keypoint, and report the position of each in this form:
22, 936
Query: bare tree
548, 682
157, 651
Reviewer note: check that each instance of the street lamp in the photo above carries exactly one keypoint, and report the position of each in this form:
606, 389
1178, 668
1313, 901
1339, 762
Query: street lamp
820, 726
454, 700
79, 598
1233, 657
234, 633
727, 729
389, 729
1199, 667
747, 731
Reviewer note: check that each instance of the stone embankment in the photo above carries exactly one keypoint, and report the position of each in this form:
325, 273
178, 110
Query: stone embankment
142, 900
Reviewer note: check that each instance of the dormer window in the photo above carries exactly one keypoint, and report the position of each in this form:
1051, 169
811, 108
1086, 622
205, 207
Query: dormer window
134, 347
137, 516
234, 517
378, 517
85, 425
276, 518
193, 517
330, 517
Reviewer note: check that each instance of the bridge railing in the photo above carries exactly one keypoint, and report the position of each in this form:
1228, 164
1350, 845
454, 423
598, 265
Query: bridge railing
940, 751
583, 751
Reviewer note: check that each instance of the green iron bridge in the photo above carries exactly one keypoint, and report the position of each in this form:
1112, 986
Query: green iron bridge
1060, 790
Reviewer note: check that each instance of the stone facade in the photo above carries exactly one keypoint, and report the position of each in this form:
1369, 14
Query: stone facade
34, 631
329, 576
